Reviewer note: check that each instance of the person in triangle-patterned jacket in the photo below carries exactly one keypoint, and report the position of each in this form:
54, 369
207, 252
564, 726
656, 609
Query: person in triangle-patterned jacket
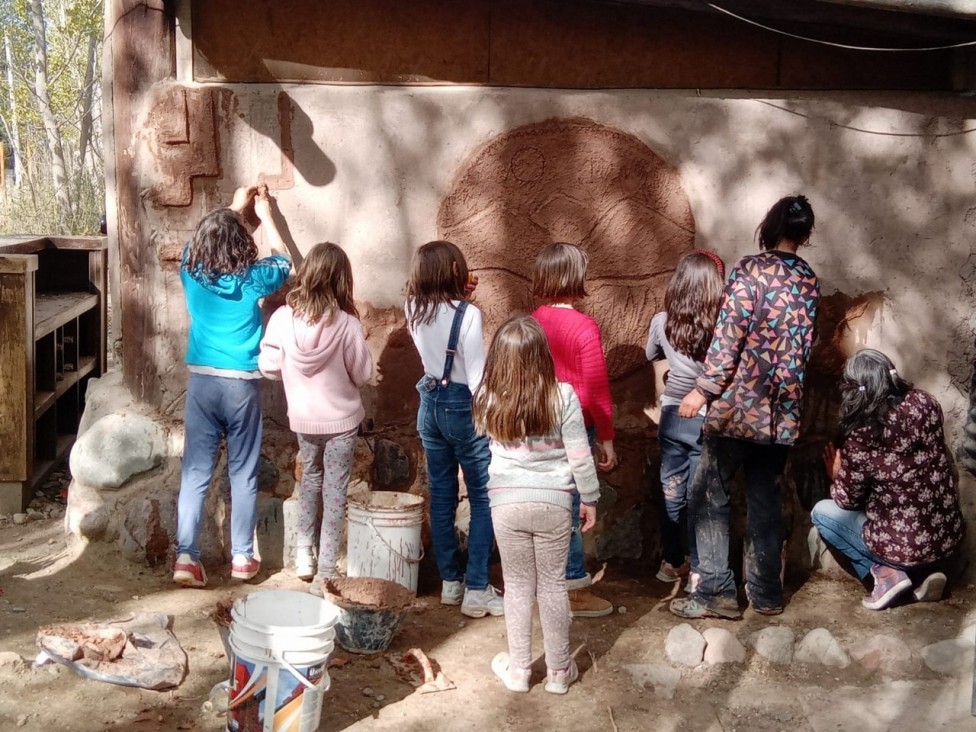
753, 385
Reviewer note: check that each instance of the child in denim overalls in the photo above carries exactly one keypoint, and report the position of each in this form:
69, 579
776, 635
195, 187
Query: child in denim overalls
446, 329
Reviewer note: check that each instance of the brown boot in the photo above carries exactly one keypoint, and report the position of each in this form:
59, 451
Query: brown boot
584, 604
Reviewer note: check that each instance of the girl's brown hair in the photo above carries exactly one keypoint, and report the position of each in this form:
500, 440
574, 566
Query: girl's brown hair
560, 272
691, 302
519, 396
220, 245
438, 275
324, 285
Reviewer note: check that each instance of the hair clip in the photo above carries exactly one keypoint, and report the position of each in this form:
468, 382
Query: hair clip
893, 372
795, 208
862, 387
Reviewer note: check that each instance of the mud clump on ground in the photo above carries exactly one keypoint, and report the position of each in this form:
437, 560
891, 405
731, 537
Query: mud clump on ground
353, 592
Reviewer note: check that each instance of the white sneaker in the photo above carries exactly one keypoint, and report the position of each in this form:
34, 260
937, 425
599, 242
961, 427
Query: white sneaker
692, 584
515, 679
558, 682
478, 603
305, 566
452, 592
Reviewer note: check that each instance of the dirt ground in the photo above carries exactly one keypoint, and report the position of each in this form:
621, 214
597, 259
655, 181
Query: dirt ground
43, 582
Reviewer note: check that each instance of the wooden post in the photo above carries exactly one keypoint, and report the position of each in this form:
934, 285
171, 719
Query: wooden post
17, 377
140, 55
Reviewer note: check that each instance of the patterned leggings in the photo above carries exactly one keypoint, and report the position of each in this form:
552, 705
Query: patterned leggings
533, 539
326, 466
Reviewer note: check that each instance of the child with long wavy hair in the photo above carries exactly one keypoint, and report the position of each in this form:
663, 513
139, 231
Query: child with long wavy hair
224, 282
446, 329
682, 334
316, 346
540, 457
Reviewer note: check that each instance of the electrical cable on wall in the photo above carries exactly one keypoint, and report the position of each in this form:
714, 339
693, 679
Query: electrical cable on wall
866, 131
831, 43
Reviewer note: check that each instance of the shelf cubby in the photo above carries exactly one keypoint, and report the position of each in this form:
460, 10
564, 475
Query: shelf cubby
52, 343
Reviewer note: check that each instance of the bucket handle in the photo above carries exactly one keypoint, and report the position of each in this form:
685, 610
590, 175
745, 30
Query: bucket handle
295, 672
408, 560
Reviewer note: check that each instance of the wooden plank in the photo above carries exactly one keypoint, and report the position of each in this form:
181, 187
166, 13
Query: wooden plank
90, 243
53, 309
16, 366
17, 263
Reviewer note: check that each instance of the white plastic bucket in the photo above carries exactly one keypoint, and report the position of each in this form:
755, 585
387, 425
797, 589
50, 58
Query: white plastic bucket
281, 641
384, 536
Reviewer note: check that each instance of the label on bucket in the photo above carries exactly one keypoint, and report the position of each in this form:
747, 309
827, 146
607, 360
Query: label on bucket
266, 697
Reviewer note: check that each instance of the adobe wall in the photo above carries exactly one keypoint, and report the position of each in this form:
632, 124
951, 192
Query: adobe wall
637, 177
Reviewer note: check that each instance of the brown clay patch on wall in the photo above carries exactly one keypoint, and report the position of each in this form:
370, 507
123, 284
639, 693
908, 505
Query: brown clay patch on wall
579, 181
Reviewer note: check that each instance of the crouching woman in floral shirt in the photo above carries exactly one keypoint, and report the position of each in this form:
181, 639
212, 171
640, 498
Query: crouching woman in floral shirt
894, 507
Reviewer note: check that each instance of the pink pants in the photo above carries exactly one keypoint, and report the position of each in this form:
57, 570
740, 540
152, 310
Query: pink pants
533, 539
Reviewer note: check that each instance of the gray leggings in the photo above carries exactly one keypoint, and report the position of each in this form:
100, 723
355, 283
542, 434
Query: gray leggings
326, 466
533, 539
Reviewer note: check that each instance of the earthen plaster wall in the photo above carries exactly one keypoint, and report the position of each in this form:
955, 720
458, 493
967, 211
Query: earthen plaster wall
637, 177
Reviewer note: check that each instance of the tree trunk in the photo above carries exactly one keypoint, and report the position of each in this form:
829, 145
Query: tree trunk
86, 104
55, 149
12, 129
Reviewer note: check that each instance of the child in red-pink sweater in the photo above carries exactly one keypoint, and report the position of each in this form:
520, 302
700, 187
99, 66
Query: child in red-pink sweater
577, 351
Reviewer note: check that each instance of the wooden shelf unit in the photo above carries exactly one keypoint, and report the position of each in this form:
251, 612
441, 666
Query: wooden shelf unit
53, 337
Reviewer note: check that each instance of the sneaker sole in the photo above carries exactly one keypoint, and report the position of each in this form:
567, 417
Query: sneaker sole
479, 612
450, 601
889, 597
663, 577
592, 613
708, 613
185, 579
932, 589
244, 575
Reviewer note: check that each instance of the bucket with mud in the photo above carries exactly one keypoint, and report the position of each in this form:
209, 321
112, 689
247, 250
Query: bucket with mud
281, 642
369, 610
384, 536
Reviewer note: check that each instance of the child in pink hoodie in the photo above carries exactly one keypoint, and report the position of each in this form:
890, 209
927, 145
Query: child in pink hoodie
315, 345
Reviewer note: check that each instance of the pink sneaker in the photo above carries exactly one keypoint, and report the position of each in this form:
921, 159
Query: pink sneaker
889, 583
558, 682
244, 568
188, 572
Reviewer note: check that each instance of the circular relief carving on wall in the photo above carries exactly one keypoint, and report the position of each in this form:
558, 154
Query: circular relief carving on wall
528, 164
579, 181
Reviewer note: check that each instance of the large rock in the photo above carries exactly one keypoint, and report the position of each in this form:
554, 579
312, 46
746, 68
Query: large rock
949, 657
149, 528
774, 643
820, 647
684, 645
115, 448
884, 653
721, 646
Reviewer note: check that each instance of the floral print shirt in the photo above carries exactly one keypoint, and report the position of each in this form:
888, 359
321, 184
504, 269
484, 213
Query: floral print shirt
755, 365
903, 479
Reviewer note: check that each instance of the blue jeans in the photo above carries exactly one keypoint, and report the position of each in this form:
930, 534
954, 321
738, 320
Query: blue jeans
721, 459
447, 432
575, 565
681, 442
842, 530
216, 407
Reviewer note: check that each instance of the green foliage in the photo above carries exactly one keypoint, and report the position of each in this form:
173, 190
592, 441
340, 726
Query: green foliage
73, 31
